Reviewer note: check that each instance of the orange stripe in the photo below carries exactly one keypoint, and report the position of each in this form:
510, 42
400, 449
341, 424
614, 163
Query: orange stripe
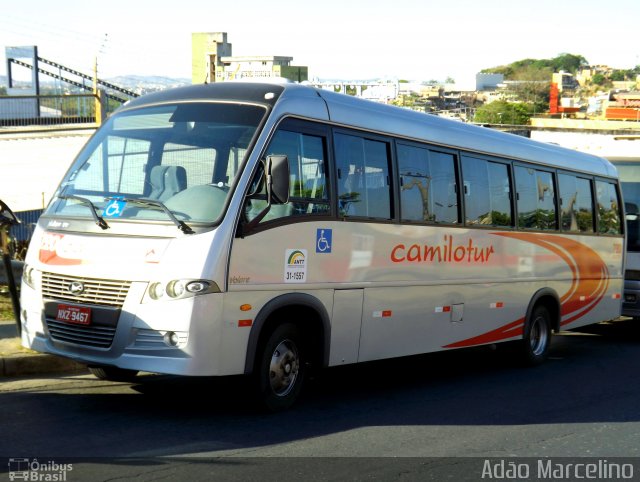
590, 279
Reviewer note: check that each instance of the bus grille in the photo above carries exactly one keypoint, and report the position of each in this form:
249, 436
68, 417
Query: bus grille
95, 336
96, 291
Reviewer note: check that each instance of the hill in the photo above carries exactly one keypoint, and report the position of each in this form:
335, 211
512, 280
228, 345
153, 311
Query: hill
539, 69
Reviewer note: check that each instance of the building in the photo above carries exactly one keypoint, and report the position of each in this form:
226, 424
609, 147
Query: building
488, 81
212, 61
565, 81
207, 50
234, 68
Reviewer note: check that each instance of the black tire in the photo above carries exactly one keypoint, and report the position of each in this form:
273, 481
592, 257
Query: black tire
113, 374
534, 346
280, 368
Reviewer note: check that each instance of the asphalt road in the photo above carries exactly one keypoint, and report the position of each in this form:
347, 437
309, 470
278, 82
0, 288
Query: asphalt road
412, 418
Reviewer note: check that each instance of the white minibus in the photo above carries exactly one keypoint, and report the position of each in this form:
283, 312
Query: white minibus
263, 229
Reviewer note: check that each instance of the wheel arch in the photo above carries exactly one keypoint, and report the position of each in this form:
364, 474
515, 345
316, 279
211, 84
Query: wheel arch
548, 298
316, 325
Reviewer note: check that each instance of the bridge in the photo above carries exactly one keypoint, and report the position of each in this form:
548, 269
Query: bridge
26, 106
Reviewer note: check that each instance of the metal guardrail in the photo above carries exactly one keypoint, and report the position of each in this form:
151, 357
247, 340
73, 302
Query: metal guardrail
47, 110
28, 220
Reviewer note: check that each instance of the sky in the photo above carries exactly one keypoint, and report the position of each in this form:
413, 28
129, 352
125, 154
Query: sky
337, 39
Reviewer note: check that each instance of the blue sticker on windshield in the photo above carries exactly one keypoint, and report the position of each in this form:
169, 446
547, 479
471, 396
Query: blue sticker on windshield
323, 240
114, 208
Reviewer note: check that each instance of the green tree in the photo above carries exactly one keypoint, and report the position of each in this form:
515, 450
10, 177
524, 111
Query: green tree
568, 62
502, 112
620, 75
598, 79
3, 90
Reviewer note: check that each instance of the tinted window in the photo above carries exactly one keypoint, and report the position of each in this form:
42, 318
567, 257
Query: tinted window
428, 185
487, 192
608, 208
535, 198
576, 204
363, 177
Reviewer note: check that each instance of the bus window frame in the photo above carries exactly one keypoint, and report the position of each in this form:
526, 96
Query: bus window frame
591, 180
537, 168
392, 166
620, 199
455, 153
461, 195
300, 126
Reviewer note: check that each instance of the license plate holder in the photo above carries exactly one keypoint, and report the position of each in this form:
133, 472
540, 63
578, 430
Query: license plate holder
77, 315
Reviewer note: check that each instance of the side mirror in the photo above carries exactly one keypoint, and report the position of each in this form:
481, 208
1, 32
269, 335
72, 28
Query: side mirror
277, 167
276, 177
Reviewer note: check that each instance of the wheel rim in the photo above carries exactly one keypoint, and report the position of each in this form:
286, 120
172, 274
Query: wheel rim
283, 369
539, 336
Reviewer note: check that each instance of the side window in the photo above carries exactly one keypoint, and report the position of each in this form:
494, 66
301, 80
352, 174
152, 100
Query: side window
308, 192
428, 185
363, 177
487, 192
535, 198
576, 204
608, 208
546, 200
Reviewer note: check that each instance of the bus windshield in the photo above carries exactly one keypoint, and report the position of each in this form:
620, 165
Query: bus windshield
629, 173
173, 163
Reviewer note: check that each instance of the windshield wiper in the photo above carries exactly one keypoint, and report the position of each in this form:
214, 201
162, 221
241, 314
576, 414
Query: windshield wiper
94, 211
154, 203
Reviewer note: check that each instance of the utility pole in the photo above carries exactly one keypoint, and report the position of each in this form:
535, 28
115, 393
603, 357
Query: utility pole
97, 93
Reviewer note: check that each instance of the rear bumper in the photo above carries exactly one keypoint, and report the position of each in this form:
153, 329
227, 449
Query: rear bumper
631, 303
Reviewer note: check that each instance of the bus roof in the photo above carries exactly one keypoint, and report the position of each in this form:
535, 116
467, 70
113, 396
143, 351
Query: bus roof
303, 101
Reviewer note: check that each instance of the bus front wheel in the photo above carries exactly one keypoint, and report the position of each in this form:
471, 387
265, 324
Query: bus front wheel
281, 368
534, 347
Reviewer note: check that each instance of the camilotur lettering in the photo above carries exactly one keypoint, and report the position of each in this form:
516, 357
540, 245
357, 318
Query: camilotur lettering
447, 252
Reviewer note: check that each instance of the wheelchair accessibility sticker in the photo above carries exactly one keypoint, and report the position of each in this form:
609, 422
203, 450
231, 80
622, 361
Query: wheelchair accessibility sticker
114, 208
323, 240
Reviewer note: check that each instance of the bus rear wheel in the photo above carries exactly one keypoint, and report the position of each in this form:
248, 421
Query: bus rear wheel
534, 346
281, 368
113, 374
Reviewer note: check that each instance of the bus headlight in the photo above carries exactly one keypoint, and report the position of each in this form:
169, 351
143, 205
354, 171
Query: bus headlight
156, 291
180, 288
29, 275
175, 289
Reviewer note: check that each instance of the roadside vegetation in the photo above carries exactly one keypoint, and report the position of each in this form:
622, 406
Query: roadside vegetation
6, 308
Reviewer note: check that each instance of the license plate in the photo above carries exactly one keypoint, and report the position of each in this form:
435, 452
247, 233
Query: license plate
74, 314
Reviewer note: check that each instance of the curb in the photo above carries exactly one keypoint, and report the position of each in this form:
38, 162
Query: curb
21, 364
17, 366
